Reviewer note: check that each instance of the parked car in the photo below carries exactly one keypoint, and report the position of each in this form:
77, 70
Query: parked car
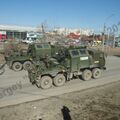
29, 41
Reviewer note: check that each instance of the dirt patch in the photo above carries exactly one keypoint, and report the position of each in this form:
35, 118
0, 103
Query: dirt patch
109, 50
101, 103
112, 51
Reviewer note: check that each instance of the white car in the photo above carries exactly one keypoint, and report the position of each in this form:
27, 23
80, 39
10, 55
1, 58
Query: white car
28, 41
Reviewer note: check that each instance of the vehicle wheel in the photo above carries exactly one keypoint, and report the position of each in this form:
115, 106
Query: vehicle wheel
17, 66
45, 82
59, 80
27, 65
86, 75
96, 73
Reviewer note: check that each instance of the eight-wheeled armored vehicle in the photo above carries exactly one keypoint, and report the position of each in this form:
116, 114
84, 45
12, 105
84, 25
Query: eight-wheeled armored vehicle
61, 64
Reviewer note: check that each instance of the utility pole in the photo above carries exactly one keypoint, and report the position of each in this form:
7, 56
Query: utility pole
43, 32
103, 35
114, 41
93, 39
104, 30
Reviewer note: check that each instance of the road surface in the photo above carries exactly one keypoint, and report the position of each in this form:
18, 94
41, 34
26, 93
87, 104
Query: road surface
15, 87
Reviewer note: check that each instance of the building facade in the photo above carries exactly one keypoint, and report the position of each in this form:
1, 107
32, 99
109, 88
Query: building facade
15, 32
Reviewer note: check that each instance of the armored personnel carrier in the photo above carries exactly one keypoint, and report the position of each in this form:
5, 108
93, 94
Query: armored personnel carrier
65, 63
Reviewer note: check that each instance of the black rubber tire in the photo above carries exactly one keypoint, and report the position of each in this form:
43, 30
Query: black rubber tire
45, 82
27, 65
86, 75
96, 73
17, 66
59, 80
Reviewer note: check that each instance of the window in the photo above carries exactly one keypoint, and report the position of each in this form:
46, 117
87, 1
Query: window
39, 46
46, 46
82, 51
75, 53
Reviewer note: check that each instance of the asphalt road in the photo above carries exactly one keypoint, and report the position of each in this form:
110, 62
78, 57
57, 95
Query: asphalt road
15, 87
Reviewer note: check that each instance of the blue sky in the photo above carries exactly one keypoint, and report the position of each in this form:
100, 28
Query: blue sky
60, 13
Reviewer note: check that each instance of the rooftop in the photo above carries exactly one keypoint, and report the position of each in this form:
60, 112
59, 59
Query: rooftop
18, 28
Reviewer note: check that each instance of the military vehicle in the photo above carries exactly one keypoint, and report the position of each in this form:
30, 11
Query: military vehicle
64, 64
18, 60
